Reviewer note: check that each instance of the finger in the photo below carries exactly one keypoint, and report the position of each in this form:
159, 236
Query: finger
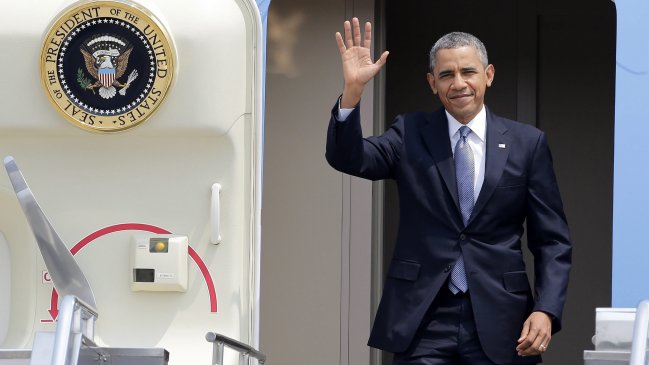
546, 344
539, 344
381, 61
536, 348
529, 339
341, 43
357, 32
525, 331
542, 342
368, 35
348, 34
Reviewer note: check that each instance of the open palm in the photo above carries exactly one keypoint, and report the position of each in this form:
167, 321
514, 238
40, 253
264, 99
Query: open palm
358, 67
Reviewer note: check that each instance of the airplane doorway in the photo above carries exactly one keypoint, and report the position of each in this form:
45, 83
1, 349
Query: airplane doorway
555, 69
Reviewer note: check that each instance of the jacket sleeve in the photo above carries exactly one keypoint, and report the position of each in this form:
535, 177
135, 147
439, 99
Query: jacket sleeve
371, 158
548, 235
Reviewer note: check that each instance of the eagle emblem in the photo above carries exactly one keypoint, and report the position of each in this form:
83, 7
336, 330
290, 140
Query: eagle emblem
106, 59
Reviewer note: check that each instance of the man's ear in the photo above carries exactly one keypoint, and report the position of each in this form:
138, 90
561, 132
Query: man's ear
491, 72
431, 82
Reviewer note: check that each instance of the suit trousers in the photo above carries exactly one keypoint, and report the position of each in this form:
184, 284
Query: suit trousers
447, 335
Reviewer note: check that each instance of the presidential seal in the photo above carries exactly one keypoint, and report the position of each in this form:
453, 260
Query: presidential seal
107, 65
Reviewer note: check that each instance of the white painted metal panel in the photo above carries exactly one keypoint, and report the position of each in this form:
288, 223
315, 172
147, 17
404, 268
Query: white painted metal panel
5, 287
158, 175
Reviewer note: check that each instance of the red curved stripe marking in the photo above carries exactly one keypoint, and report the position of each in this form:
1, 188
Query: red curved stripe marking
153, 229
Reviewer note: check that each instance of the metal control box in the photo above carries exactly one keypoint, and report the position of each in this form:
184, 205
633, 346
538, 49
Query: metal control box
159, 263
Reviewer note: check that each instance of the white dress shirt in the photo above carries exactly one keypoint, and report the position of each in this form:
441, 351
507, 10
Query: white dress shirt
476, 139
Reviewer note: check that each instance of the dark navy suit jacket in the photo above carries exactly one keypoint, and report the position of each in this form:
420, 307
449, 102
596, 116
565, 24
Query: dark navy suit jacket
519, 185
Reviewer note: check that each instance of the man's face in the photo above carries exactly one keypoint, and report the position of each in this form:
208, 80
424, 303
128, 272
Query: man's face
460, 80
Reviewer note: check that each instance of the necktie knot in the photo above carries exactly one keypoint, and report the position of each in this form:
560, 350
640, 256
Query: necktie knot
464, 132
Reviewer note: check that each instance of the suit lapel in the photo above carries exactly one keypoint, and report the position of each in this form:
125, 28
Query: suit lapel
435, 135
497, 151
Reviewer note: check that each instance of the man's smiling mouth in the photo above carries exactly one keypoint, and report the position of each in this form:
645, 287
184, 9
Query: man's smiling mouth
461, 96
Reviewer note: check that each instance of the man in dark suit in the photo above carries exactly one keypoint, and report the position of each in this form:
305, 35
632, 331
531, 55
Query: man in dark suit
457, 291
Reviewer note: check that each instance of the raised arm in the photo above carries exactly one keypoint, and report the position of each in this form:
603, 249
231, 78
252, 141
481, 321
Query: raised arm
358, 67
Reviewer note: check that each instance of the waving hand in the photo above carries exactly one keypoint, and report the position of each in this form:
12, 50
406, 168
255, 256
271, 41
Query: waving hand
358, 67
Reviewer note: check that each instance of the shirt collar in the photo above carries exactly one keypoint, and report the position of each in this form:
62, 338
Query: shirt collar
478, 124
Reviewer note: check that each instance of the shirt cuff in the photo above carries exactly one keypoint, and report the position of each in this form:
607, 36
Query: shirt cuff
343, 113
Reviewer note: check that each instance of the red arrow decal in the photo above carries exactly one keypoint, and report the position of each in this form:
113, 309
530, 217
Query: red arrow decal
54, 305
54, 311
207, 276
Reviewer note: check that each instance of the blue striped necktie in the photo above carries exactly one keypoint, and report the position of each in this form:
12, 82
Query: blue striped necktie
464, 174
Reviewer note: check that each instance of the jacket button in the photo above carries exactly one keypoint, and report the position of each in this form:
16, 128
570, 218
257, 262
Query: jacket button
448, 268
462, 237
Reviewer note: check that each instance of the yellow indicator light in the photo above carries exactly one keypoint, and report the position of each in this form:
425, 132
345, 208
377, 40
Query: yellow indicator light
160, 246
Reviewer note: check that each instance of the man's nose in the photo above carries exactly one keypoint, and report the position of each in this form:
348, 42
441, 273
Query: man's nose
459, 82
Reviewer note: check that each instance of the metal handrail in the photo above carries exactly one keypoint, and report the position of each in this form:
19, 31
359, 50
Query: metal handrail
75, 327
245, 351
640, 332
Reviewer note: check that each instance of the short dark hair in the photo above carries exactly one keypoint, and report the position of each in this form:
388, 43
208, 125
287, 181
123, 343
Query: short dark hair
456, 40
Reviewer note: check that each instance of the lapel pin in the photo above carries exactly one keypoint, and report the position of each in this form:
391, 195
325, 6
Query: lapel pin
501, 145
